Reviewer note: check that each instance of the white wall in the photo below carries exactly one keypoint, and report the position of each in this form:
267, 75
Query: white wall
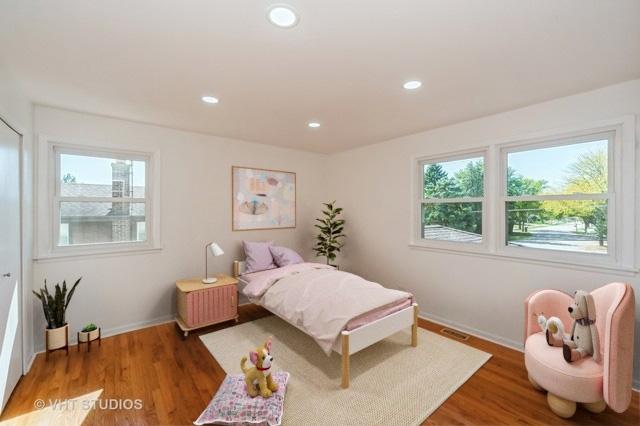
16, 109
482, 295
124, 291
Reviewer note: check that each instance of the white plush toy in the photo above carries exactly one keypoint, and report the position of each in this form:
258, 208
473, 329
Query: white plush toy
553, 328
583, 340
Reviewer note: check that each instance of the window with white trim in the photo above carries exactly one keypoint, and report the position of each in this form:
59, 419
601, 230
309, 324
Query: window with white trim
561, 197
100, 198
557, 194
452, 199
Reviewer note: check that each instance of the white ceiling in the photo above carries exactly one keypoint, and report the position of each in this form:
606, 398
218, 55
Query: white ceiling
342, 65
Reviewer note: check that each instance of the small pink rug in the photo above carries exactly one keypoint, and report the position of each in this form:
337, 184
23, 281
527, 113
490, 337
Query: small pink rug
232, 405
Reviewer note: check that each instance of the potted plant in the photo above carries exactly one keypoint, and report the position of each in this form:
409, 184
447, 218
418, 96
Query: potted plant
88, 333
330, 239
54, 308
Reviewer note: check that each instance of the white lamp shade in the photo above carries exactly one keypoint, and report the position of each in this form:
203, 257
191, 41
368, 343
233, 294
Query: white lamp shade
215, 249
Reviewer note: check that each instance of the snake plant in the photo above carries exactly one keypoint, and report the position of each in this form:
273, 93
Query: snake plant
55, 306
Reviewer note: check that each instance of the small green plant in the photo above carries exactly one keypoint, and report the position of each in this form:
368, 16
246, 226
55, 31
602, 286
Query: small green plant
330, 239
55, 306
89, 327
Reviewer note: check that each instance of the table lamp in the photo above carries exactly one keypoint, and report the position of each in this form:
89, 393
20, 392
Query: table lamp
216, 251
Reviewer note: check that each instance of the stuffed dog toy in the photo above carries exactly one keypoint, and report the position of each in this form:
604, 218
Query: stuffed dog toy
583, 340
260, 374
584, 334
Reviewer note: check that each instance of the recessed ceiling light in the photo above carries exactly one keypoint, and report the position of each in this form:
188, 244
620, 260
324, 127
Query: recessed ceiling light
412, 85
283, 16
314, 125
210, 99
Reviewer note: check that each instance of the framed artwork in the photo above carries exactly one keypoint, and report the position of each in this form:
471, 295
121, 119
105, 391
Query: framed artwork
262, 199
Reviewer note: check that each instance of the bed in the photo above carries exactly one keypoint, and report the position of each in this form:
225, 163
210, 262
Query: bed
304, 295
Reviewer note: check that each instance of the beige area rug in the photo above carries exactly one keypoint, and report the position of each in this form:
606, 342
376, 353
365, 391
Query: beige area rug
391, 382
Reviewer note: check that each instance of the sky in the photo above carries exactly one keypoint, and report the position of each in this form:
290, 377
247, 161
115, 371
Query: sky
96, 170
549, 164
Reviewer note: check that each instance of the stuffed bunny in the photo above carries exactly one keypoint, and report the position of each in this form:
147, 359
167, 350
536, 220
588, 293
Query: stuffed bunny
584, 338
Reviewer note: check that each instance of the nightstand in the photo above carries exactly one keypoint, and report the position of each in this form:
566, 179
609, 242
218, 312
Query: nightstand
201, 305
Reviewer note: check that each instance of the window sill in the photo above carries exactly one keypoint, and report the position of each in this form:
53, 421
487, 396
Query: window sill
472, 251
94, 254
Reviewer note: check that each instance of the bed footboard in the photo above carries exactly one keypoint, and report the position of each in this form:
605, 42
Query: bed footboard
358, 339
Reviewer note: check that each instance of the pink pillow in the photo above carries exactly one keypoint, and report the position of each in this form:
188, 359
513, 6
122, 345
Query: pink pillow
285, 256
232, 405
258, 256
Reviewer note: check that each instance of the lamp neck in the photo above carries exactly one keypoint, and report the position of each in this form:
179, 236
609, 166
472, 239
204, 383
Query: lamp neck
206, 266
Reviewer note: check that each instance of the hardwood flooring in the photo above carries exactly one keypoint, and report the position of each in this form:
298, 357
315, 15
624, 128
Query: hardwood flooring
175, 379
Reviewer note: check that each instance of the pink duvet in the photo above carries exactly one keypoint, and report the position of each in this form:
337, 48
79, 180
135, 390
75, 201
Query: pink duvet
321, 300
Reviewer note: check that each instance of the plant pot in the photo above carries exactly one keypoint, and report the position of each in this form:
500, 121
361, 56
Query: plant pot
88, 336
57, 337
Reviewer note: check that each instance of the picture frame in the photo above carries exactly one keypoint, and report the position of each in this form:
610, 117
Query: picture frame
262, 199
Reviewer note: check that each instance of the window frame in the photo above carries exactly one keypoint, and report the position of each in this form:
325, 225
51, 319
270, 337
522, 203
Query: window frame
48, 194
610, 196
624, 201
58, 198
419, 200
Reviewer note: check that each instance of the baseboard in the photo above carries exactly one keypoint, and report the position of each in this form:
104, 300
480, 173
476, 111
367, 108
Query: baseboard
498, 340
29, 363
119, 330
494, 338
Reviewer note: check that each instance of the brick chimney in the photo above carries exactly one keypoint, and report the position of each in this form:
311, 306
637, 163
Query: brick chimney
121, 187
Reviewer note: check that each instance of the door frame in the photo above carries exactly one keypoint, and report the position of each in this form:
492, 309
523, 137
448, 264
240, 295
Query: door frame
21, 307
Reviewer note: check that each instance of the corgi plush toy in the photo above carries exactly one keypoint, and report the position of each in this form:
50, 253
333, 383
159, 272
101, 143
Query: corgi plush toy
260, 374
583, 340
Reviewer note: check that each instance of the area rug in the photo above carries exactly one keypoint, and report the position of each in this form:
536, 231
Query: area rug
391, 382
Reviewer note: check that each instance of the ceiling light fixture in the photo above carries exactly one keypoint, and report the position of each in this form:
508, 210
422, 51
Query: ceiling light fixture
210, 100
282, 16
313, 125
412, 85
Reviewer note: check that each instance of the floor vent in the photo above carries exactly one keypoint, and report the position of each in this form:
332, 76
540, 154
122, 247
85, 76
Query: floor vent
454, 333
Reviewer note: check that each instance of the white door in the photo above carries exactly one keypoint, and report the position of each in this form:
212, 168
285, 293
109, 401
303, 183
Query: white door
10, 310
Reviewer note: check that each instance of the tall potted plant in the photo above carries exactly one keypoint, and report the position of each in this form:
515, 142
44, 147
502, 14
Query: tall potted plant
55, 308
330, 239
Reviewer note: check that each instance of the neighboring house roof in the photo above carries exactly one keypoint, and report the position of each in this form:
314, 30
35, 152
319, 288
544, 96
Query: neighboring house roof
94, 190
86, 210
439, 232
95, 209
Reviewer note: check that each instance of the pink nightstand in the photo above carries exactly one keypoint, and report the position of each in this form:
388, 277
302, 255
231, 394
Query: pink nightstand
201, 305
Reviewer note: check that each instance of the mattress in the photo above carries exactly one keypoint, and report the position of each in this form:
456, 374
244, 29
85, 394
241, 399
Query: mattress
356, 322
378, 313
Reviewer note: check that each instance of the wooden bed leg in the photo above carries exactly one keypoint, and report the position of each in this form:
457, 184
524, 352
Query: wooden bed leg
414, 327
345, 361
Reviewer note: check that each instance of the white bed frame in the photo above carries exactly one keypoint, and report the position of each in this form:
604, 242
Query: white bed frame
366, 335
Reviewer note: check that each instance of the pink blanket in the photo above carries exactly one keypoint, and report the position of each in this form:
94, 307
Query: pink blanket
319, 299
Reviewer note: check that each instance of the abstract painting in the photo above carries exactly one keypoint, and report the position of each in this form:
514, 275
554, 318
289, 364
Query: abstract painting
263, 199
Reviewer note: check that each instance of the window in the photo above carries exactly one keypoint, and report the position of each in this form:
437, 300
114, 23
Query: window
452, 199
558, 195
64, 234
100, 198
567, 199
141, 231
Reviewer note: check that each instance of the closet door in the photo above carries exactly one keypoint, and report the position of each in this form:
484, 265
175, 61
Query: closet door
10, 289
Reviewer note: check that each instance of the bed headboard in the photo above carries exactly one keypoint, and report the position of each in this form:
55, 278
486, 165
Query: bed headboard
239, 267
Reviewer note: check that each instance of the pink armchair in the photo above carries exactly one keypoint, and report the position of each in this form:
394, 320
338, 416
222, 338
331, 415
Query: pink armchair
595, 385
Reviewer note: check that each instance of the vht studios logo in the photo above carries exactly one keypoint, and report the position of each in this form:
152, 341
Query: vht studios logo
89, 404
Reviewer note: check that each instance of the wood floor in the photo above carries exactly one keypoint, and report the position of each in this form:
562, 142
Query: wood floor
176, 379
